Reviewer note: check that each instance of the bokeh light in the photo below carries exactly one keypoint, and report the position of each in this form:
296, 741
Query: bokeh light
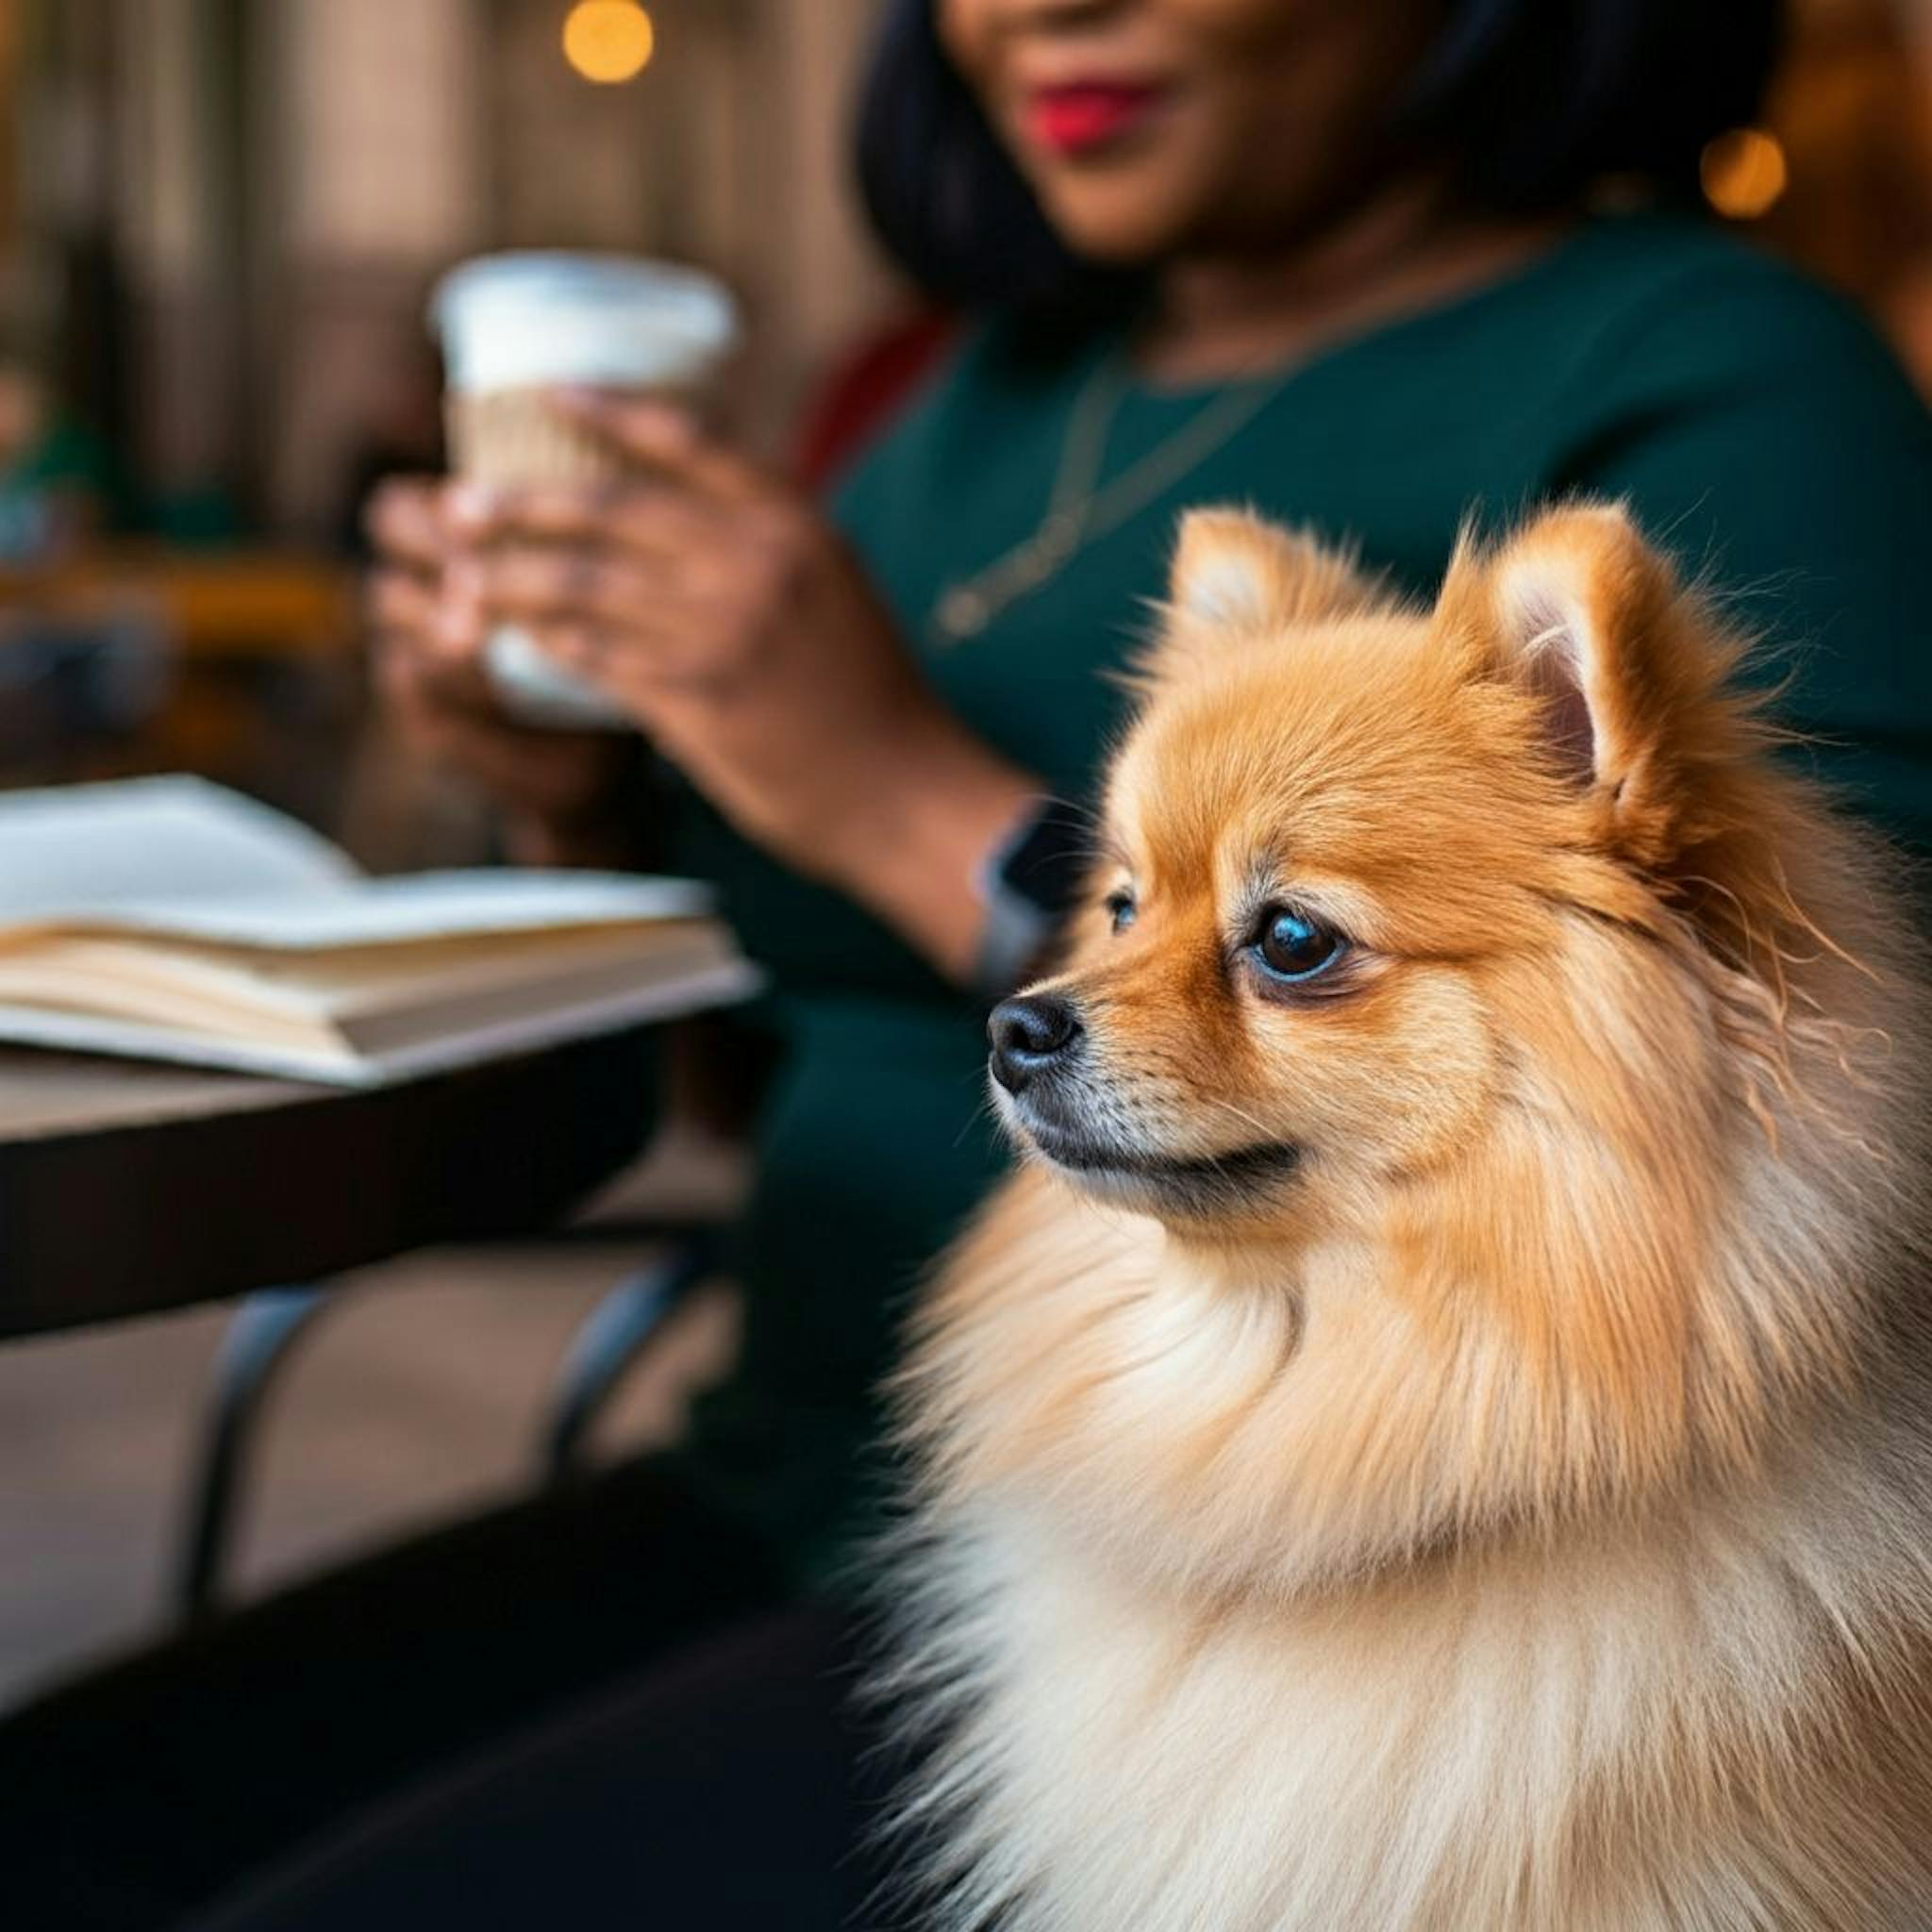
1744, 172
608, 40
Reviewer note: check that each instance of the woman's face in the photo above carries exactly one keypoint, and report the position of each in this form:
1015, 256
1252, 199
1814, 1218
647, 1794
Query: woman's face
1149, 128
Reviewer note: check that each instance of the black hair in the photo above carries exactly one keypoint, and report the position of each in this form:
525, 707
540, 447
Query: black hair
1538, 99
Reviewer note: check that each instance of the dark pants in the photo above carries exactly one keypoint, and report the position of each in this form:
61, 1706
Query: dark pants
726, 1788
582, 1711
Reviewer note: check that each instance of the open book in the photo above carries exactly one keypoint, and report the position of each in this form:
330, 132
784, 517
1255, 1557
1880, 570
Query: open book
170, 919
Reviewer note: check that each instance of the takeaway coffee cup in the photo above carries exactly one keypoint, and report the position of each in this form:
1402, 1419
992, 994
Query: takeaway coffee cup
515, 325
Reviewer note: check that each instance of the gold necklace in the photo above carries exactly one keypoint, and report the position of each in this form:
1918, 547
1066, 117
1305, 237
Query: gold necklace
1078, 508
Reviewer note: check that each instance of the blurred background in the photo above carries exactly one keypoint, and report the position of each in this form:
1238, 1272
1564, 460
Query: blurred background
220, 221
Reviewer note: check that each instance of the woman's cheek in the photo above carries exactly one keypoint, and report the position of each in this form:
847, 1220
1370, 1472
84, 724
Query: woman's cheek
965, 29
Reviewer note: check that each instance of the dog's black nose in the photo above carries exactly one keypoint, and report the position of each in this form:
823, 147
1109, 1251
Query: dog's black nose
1029, 1034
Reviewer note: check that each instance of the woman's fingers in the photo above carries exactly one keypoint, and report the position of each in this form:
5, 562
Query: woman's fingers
405, 521
422, 609
626, 626
591, 650
401, 603
641, 660
452, 717
412, 666
667, 438
535, 583
653, 521
607, 603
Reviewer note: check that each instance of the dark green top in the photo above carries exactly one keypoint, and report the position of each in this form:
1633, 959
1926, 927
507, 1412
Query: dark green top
1750, 419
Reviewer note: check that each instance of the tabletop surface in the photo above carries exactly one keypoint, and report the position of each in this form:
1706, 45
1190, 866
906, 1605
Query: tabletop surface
126, 1189
43, 1093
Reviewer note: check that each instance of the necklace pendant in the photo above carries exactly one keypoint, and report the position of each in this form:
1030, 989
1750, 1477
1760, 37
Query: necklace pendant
962, 612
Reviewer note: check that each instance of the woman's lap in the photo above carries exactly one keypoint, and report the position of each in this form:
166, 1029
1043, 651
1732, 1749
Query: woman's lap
733, 1785
138, 1795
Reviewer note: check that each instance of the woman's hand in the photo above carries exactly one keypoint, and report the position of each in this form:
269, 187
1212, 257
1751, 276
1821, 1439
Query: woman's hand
561, 792
725, 615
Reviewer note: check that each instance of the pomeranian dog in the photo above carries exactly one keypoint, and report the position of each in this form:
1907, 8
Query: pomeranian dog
1438, 1433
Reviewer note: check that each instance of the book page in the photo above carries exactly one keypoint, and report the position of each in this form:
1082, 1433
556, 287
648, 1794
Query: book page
721, 983
242, 989
407, 910
183, 858
99, 848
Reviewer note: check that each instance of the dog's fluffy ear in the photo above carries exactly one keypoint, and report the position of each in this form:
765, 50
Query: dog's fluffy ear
1626, 665
1235, 569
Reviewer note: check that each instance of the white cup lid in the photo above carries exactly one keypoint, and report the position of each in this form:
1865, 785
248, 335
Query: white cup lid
512, 321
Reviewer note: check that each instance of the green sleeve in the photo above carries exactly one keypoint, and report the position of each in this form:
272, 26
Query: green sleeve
1759, 430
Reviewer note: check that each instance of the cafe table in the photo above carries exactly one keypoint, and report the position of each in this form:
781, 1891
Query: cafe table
127, 1188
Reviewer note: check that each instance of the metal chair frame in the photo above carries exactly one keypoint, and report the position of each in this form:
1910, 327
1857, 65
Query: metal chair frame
269, 1326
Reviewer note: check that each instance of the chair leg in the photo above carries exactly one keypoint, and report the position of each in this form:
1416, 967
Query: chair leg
609, 1343
259, 1338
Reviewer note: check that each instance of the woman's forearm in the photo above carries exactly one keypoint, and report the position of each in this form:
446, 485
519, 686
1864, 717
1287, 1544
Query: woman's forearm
942, 801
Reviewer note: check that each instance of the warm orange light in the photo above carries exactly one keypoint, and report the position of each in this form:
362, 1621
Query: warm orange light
1743, 173
608, 40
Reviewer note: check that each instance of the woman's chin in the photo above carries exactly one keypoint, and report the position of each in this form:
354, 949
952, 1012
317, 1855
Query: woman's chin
1118, 222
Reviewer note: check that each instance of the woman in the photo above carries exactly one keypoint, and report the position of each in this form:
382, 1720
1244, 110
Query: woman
1328, 257
1331, 257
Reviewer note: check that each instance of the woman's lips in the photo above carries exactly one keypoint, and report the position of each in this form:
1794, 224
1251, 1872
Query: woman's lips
1089, 113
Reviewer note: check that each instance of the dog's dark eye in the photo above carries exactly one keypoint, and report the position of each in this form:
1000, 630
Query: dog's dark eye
1121, 908
1293, 947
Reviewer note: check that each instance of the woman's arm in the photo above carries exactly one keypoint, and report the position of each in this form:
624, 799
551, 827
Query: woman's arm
724, 612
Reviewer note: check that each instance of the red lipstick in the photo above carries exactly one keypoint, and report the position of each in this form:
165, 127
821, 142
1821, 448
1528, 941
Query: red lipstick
1088, 113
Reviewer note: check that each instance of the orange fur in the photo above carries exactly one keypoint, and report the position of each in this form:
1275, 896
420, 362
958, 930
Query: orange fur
1519, 1515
